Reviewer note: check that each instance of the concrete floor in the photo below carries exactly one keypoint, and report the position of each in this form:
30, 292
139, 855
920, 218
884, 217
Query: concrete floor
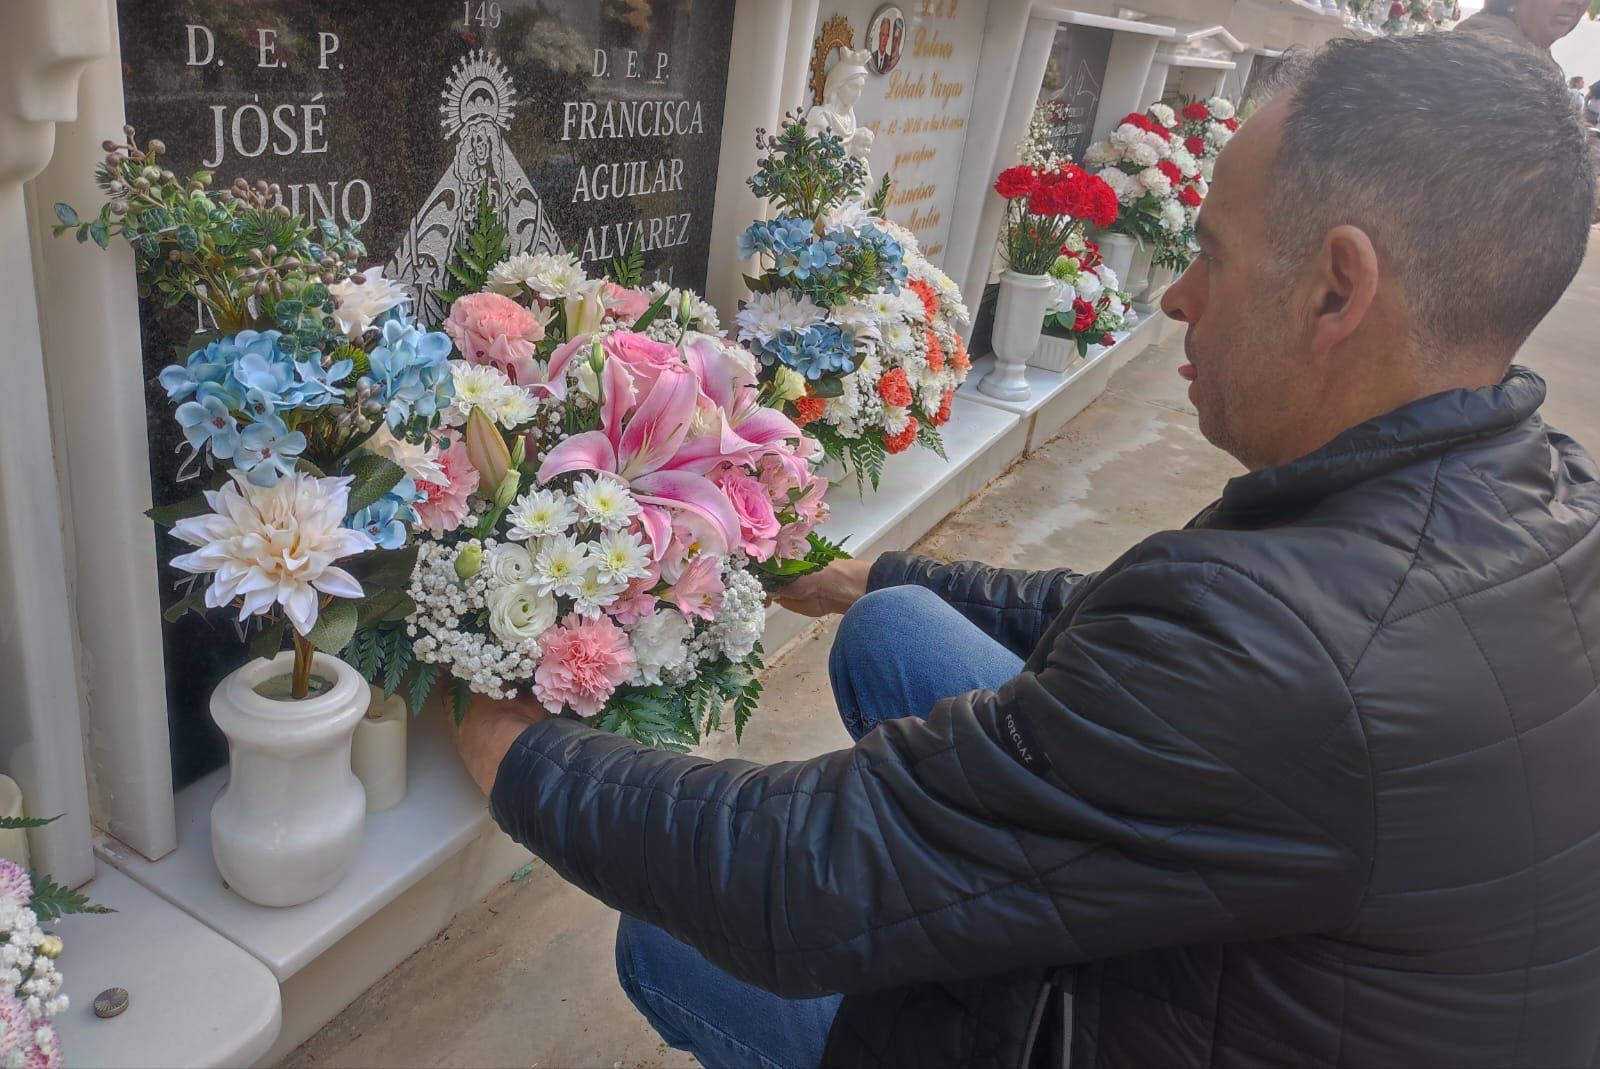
526, 978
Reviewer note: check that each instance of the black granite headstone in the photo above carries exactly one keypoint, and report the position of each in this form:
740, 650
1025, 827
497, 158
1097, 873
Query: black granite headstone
590, 123
1072, 84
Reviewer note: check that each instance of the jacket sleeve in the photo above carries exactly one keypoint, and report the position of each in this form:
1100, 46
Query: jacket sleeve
1012, 606
1206, 781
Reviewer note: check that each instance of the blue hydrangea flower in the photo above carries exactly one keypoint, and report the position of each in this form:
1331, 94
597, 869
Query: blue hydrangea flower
410, 369
268, 449
318, 383
208, 420
823, 349
817, 255
211, 367
387, 520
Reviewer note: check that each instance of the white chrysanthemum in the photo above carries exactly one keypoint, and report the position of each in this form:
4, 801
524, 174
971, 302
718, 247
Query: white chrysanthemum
1164, 115
540, 514
357, 304
895, 418
507, 565
521, 613
553, 276
560, 566
1155, 182
620, 556
851, 215
1186, 163
1221, 108
898, 336
274, 545
476, 386
660, 643
595, 592
769, 314
860, 318
516, 407
1144, 155
605, 501
418, 461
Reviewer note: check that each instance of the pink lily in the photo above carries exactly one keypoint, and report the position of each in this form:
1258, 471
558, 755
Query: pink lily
641, 447
749, 429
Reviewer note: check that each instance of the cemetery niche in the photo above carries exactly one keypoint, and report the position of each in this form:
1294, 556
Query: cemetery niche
585, 125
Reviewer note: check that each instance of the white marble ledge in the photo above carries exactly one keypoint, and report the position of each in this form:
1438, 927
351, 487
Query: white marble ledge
1046, 385
195, 999
442, 811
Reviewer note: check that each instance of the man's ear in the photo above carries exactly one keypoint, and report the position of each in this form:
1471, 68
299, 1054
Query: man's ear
1344, 287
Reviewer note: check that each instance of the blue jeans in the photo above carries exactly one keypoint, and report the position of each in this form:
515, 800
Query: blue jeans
898, 652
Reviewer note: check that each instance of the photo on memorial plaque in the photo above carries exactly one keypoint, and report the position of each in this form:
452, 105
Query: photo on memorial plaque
886, 39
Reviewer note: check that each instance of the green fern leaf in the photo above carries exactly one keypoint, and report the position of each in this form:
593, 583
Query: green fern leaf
51, 901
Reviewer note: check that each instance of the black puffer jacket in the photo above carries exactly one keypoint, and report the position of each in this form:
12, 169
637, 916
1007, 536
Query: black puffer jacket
1312, 781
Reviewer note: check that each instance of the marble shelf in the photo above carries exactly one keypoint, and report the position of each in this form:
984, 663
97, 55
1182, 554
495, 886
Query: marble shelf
158, 952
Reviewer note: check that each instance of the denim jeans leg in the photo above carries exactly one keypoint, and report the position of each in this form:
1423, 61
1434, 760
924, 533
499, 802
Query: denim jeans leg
724, 1022
901, 650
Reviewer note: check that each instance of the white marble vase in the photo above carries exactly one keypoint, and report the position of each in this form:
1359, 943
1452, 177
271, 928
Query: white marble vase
1161, 277
1055, 354
1018, 325
1117, 251
1137, 281
287, 827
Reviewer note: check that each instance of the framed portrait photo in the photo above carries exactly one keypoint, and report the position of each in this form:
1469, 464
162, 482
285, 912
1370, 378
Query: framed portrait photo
885, 39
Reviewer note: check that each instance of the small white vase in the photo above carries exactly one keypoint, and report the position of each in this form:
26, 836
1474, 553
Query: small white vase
1160, 278
1137, 282
287, 827
1055, 354
1018, 325
1117, 251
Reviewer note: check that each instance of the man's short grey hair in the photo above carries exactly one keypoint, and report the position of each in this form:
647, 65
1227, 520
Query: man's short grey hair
1462, 160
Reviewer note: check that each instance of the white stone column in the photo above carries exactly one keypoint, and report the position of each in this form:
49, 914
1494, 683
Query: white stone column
761, 35
92, 351
1127, 71
44, 45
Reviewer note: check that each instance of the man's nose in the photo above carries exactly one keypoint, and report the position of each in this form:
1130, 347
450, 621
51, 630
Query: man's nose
1173, 301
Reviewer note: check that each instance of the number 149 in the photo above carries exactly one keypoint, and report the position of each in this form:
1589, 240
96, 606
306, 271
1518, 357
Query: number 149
487, 14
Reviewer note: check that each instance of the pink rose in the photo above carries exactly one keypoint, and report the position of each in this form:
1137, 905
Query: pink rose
626, 304
583, 662
490, 328
645, 357
752, 503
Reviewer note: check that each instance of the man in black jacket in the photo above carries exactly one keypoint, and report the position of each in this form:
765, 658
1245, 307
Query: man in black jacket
1309, 781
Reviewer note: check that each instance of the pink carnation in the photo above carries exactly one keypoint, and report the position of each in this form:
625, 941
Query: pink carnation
626, 304
758, 525
584, 661
14, 882
442, 507
490, 328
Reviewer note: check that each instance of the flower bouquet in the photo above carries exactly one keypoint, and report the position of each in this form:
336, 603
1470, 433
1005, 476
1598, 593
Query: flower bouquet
1156, 177
1045, 206
30, 983
618, 501
857, 333
1087, 307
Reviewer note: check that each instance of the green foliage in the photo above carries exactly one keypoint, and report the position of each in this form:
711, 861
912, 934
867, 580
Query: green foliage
188, 508
929, 438
268, 641
194, 601
805, 175
458, 696
374, 476
23, 823
880, 200
650, 314
51, 901
335, 627
484, 245
863, 457
629, 270
776, 574
675, 717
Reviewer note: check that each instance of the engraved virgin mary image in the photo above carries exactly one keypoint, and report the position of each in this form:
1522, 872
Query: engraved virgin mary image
476, 113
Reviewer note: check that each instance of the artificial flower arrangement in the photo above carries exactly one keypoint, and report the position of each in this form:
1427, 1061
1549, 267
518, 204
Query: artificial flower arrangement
30, 982
311, 412
618, 501
1156, 177
1087, 307
1044, 207
858, 334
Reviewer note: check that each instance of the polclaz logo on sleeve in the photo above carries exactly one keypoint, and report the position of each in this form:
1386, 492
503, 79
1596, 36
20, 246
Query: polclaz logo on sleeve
1020, 737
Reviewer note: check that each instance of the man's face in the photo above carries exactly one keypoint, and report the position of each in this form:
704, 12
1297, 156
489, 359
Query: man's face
1243, 341
1547, 21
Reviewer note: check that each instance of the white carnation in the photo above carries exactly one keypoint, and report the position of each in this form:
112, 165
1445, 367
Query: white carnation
660, 643
1100, 154
1173, 217
1185, 162
1155, 182
1221, 108
1164, 115
1144, 155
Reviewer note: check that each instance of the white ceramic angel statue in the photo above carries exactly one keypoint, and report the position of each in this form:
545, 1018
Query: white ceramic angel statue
837, 113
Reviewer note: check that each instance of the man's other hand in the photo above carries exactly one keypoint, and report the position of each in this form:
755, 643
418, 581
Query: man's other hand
487, 732
832, 590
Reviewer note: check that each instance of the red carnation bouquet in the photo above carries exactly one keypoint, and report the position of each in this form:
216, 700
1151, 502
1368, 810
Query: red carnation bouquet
1044, 206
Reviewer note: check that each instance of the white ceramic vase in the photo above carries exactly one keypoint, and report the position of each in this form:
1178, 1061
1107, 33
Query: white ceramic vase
1160, 278
1137, 281
1117, 251
1055, 354
287, 827
1018, 325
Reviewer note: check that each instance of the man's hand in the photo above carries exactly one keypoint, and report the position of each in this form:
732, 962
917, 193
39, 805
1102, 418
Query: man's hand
834, 589
489, 730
